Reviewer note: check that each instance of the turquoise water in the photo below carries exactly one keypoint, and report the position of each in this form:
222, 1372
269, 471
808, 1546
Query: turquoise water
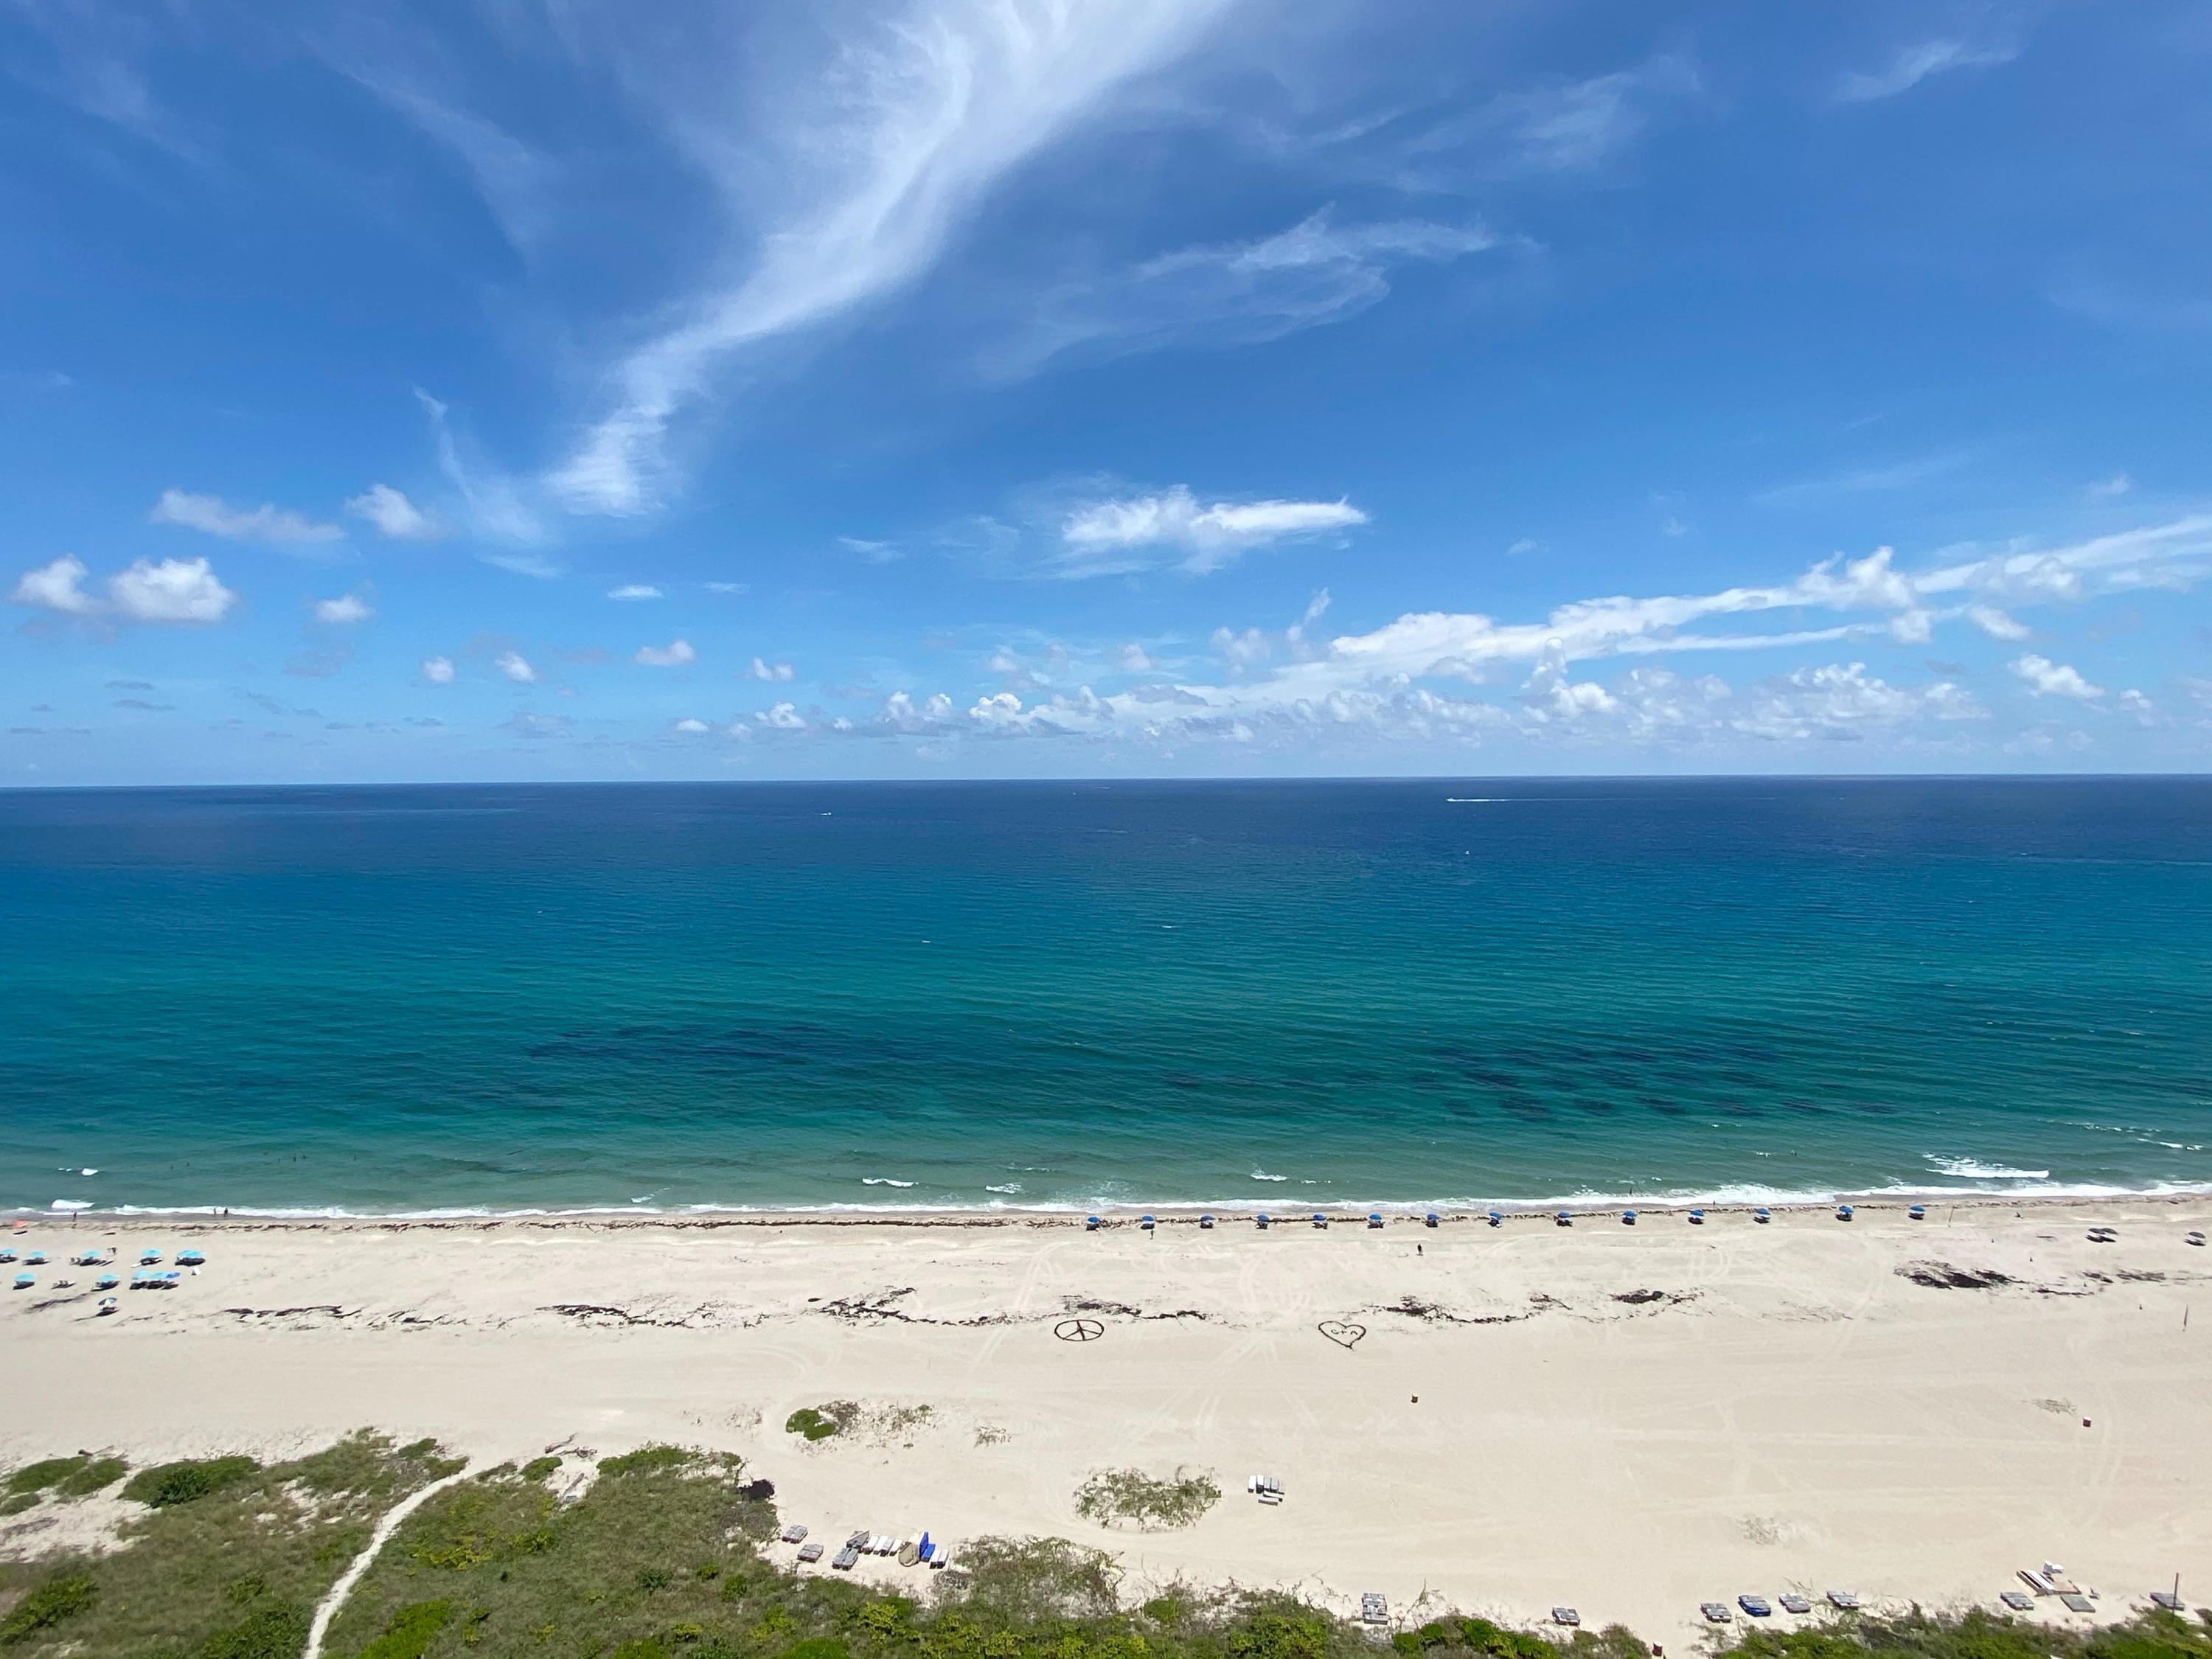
1280, 994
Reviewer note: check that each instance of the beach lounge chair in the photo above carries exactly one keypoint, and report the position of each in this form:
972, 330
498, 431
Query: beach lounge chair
810, 1551
2192, 1238
2166, 1599
106, 1282
1373, 1219
2041, 1583
149, 1258
1565, 1616
1843, 1600
36, 1259
2018, 1600
24, 1281
846, 1559
1843, 1213
1430, 1219
1762, 1215
1795, 1604
1696, 1218
793, 1534
1495, 1218
1917, 1212
106, 1305
191, 1259
6, 1256
1628, 1218
1147, 1224
1756, 1606
1717, 1613
2076, 1602
1374, 1610
88, 1259
925, 1549
2104, 1235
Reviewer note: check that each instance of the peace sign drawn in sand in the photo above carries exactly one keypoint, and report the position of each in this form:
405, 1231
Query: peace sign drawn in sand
1079, 1330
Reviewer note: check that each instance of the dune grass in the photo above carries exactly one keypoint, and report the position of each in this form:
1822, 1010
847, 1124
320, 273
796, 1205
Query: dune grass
1115, 1497
228, 1562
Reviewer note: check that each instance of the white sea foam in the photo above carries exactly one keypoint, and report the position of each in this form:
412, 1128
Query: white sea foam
1972, 1169
1261, 1175
1012, 1186
883, 1181
72, 1204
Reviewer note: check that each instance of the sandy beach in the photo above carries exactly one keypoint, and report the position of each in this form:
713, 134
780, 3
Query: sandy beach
1630, 1420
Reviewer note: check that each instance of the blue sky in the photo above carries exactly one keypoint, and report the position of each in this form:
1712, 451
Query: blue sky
998, 387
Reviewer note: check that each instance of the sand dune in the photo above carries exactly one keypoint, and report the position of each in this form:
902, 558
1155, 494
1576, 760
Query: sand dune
1627, 1420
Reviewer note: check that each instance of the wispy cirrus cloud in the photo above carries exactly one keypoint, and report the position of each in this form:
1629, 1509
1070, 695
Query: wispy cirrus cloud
1228, 293
1914, 64
1140, 532
855, 186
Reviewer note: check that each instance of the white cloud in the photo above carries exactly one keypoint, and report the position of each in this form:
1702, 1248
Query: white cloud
1568, 128
1671, 525
1526, 545
393, 515
346, 608
634, 590
1133, 659
1113, 537
867, 173
512, 665
495, 506
2118, 484
173, 591
439, 671
273, 526
727, 588
2046, 679
782, 717
674, 655
1915, 64
1997, 624
768, 670
1224, 293
689, 727
57, 586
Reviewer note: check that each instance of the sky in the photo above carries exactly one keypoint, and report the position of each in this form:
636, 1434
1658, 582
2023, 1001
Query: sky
566, 389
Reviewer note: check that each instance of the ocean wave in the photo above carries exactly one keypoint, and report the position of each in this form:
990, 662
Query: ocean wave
1584, 1200
1974, 1169
1013, 1187
883, 1181
1261, 1175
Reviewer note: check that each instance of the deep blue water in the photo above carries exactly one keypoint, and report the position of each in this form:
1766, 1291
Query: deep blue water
1283, 994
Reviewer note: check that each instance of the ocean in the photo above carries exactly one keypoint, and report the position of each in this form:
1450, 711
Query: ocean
1271, 995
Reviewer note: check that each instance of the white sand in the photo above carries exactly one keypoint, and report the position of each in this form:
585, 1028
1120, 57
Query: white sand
1792, 1415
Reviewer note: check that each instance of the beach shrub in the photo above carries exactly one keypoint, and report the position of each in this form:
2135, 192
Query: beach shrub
1283, 1630
167, 1485
817, 1647
645, 1459
366, 1462
644, 1647
97, 1475
277, 1632
1116, 1496
538, 1468
408, 1632
62, 1596
811, 1421
35, 1477
1017, 1581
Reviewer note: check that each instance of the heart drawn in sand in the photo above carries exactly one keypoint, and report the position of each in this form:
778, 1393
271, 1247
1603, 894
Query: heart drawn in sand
1342, 1334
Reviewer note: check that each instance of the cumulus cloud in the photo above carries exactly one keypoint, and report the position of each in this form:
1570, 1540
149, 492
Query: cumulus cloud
185, 591
516, 667
856, 184
273, 526
171, 591
439, 671
674, 655
770, 671
1133, 658
57, 586
689, 727
634, 591
393, 515
346, 608
1997, 624
1915, 64
1138, 532
1224, 294
2046, 679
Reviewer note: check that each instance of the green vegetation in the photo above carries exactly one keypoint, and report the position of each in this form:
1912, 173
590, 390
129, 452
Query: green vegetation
538, 1468
168, 1484
228, 1571
660, 1559
66, 1477
812, 1421
1115, 1496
